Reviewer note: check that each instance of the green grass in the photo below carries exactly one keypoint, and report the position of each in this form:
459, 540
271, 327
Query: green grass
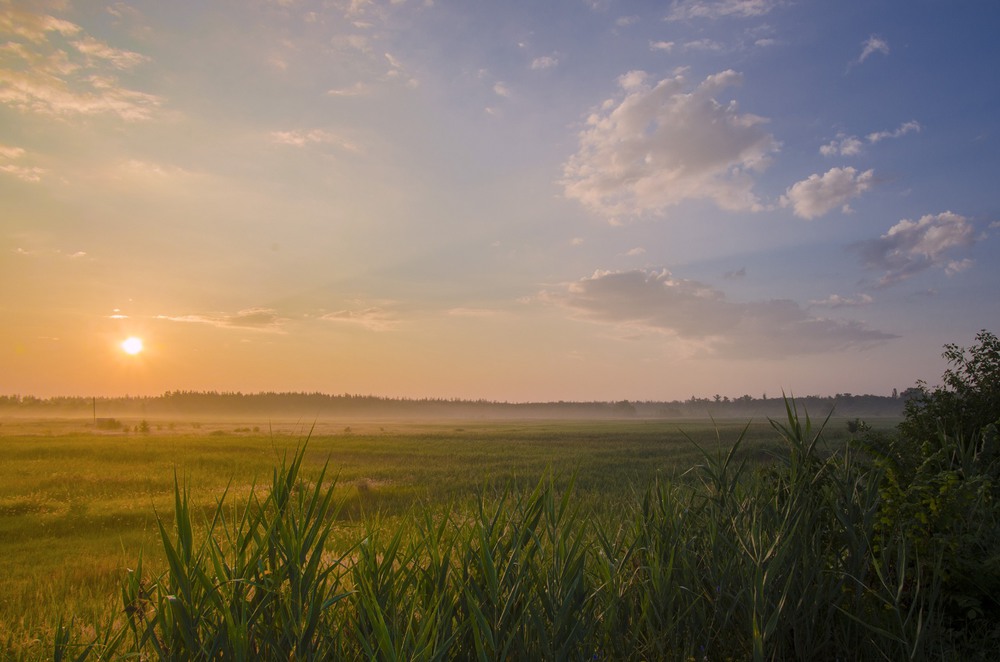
77, 508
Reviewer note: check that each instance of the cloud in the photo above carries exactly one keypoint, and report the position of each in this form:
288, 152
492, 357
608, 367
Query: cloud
737, 274
837, 301
635, 252
501, 90
474, 312
703, 45
910, 247
958, 266
304, 137
258, 319
398, 72
373, 319
907, 127
356, 90
544, 62
32, 174
665, 46
714, 9
874, 44
845, 145
842, 146
52, 67
658, 145
657, 302
818, 194
118, 59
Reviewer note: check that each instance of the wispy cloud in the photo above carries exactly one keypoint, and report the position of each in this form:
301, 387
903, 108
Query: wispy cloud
842, 146
703, 45
656, 301
907, 127
474, 312
665, 46
304, 137
714, 9
397, 71
374, 318
357, 90
258, 319
874, 44
544, 62
26, 173
910, 247
52, 67
657, 145
837, 301
819, 194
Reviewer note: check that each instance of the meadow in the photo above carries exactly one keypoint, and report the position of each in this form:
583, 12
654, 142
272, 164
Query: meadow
77, 504
616, 539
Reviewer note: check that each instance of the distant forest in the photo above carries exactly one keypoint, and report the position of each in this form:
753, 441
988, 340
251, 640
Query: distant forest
322, 405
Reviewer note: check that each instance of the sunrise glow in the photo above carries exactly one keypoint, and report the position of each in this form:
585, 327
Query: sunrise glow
132, 345
511, 201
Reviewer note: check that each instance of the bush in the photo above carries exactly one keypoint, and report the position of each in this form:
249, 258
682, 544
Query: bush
967, 401
940, 486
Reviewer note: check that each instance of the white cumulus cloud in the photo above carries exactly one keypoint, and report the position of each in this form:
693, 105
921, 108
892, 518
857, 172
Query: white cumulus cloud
818, 194
657, 145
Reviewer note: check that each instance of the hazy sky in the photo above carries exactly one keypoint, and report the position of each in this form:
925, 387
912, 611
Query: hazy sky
513, 200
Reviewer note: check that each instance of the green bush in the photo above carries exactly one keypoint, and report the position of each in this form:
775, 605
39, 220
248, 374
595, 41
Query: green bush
939, 490
967, 401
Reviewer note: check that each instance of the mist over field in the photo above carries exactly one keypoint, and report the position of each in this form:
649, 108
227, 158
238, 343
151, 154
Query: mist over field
320, 407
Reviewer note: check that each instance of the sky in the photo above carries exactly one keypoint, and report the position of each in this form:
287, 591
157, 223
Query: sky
507, 200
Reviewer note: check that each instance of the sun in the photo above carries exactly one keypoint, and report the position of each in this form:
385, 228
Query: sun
132, 345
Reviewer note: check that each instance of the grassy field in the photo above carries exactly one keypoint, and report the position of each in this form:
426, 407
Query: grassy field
77, 505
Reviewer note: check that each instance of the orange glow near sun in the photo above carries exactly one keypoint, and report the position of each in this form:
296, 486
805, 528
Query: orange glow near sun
132, 345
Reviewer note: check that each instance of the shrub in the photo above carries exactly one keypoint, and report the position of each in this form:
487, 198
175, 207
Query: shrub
967, 401
940, 484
